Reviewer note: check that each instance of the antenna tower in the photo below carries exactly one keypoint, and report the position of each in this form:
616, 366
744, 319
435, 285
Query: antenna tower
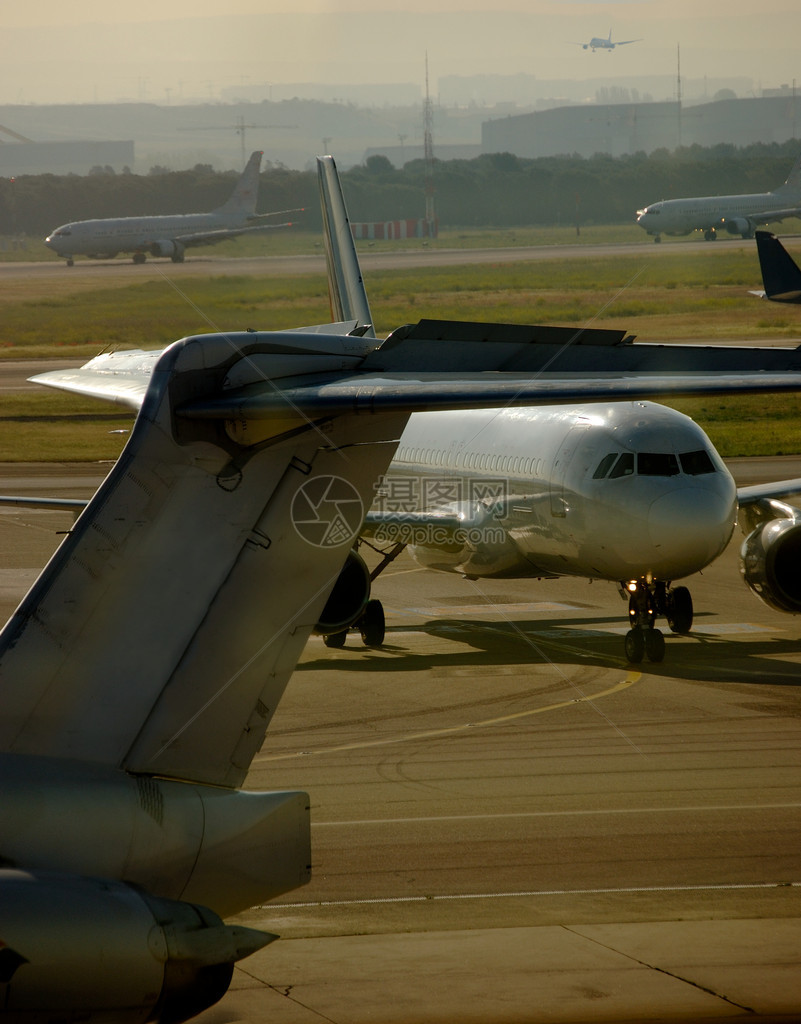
678, 86
428, 154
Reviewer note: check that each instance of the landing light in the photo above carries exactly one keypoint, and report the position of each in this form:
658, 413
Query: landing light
631, 586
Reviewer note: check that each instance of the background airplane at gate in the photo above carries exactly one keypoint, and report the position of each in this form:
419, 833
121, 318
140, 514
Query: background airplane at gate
139, 675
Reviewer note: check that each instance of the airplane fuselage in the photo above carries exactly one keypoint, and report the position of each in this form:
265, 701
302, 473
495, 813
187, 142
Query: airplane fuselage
162, 235
616, 492
107, 237
705, 213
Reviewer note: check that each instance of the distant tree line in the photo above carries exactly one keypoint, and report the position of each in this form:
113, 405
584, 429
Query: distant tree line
493, 190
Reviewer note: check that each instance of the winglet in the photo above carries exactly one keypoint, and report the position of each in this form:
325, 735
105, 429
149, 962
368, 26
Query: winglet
345, 284
780, 273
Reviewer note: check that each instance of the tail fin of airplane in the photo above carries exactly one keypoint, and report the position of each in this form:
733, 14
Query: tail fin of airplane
793, 182
346, 290
780, 273
161, 635
246, 191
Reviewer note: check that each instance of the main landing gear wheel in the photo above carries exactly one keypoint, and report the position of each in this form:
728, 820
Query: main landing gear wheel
139, 257
372, 625
679, 609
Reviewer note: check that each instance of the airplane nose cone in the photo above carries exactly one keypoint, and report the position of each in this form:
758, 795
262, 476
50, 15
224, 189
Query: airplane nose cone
691, 524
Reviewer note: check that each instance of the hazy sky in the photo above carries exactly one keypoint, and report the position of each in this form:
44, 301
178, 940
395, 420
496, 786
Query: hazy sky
169, 50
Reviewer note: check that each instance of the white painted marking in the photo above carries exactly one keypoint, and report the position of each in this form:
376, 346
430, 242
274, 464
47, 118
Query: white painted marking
514, 608
631, 678
559, 814
533, 892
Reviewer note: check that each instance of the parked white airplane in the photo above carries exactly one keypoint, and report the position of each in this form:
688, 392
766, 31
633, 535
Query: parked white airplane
139, 675
598, 43
738, 215
167, 235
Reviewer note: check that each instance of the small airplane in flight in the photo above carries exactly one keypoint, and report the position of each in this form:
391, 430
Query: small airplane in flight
738, 215
167, 236
599, 43
140, 673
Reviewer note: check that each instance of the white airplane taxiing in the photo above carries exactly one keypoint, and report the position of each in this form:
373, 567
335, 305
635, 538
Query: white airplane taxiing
629, 492
599, 43
167, 236
738, 215
140, 673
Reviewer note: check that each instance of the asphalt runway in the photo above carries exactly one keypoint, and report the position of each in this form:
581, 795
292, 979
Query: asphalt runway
512, 824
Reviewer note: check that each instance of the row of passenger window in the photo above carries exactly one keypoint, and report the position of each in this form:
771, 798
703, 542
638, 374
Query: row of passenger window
486, 461
613, 465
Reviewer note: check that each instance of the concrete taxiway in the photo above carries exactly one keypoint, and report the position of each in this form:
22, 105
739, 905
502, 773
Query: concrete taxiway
93, 273
510, 823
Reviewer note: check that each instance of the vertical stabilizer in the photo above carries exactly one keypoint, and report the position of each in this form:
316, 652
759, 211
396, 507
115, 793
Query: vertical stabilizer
345, 284
793, 183
246, 192
780, 274
160, 636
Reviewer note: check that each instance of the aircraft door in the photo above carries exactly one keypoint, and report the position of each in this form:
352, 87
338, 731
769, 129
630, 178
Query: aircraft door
564, 455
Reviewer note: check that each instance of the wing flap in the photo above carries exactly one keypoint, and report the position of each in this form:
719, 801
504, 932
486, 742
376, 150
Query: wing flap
406, 393
220, 234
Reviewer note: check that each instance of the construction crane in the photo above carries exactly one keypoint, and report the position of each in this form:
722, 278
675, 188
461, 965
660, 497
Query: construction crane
240, 128
13, 134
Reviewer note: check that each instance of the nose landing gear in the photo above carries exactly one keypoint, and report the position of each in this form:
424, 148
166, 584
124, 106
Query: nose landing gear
646, 601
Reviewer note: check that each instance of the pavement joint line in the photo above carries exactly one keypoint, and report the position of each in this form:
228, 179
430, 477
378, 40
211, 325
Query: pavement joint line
660, 970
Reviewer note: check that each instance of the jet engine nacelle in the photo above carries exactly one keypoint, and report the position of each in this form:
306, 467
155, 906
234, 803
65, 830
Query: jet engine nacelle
348, 599
770, 563
167, 247
89, 949
739, 226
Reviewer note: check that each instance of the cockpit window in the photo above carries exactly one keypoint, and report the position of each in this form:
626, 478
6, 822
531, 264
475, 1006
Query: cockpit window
623, 467
604, 466
696, 463
657, 464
